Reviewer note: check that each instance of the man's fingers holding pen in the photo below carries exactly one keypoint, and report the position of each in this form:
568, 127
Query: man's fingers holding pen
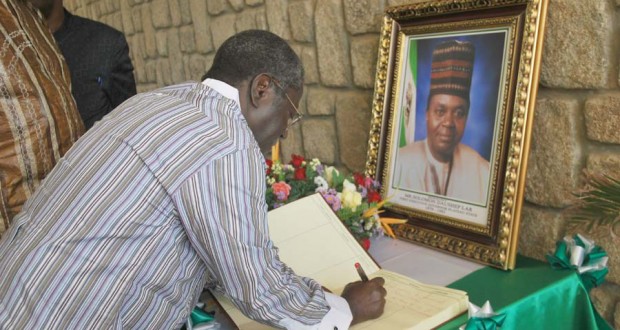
366, 299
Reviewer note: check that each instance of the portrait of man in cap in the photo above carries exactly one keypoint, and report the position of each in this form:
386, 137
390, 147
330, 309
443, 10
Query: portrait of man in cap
441, 164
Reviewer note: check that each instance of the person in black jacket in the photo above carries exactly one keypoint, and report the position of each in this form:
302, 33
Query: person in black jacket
98, 59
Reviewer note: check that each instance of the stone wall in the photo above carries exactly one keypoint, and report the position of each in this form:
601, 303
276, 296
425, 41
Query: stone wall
577, 122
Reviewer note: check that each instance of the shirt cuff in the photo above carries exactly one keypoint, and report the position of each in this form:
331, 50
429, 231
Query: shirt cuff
339, 316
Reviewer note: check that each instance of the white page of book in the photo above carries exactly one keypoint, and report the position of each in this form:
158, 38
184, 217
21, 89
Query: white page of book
315, 243
414, 305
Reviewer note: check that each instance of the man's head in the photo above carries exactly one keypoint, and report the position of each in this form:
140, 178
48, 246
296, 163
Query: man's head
269, 77
448, 100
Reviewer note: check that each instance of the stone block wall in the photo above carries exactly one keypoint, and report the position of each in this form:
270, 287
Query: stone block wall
576, 126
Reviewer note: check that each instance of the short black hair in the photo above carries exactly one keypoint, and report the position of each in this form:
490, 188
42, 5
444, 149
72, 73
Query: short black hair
252, 52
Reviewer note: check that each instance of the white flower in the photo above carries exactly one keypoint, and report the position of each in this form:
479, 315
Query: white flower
321, 183
314, 163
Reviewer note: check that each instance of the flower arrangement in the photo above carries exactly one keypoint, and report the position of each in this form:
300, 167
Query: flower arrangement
354, 198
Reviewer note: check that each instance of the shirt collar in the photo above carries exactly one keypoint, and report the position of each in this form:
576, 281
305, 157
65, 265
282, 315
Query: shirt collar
223, 88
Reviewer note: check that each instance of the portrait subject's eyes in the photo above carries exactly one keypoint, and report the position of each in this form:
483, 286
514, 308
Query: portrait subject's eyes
439, 111
460, 113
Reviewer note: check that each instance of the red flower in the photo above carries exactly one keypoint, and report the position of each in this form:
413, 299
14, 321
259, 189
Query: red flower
365, 242
269, 164
359, 179
296, 161
373, 196
300, 174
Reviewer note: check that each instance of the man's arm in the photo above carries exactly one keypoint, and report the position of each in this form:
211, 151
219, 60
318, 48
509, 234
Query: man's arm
223, 210
121, 84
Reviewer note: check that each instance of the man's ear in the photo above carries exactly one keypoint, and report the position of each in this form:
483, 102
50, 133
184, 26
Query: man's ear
259, 89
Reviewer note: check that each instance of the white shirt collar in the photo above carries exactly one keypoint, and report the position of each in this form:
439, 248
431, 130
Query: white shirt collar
223, 88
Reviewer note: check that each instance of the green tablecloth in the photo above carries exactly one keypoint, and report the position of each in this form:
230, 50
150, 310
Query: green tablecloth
533, 296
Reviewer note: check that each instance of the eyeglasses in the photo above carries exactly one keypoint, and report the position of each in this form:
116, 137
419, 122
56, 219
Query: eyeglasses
298, 115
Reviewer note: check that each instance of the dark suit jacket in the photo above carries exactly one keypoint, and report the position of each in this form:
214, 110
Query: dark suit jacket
98, 59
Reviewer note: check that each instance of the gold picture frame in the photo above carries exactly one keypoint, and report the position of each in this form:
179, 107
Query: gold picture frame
456, 170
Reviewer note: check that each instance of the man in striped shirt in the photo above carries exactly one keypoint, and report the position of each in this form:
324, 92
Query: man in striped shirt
165, 195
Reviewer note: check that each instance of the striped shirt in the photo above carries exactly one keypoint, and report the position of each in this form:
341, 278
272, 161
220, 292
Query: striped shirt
163, 195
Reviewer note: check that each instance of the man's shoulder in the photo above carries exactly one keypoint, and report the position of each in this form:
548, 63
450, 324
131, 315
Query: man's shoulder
415, 148
474, 158
87, 25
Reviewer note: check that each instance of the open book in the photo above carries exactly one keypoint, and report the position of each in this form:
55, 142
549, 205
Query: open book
316, 244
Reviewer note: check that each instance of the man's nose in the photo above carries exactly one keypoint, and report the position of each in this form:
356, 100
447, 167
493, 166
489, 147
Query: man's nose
449, 119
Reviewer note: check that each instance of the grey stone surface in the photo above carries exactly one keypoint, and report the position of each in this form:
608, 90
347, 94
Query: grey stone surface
364, 60
163, 72
261, 19
604, 299
175, 12
197, 67
331, 44
320, 101
116, 20
555, 154
245, 20
222, 28
176, 58
186, 11
160, 13
602, 115
302, 23
277, 18
136, 17
604, 162
128, 27
253, 2
138, 57
204, 43
577, 49
237, 5
216, 7
539, 230
162, 42
149, 33
308, 58
319, 138
353, 120
187, 39
363, 16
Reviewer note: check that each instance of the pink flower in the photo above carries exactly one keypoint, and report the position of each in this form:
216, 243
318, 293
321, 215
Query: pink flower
281, 190
332, 199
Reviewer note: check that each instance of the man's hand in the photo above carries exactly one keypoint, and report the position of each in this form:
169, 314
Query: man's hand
366, 299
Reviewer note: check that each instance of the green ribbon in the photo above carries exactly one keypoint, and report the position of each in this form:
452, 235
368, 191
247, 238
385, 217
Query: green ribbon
592, 270
200, 316
485, 323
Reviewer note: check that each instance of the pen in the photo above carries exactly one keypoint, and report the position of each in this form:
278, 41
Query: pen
361, 272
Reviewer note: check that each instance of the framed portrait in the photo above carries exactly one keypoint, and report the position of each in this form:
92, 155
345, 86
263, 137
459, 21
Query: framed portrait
452, 115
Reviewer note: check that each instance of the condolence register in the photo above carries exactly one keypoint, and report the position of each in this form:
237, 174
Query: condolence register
316, 244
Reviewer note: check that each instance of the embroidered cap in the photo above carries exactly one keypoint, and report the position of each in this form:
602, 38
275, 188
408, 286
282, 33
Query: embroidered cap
453, 63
